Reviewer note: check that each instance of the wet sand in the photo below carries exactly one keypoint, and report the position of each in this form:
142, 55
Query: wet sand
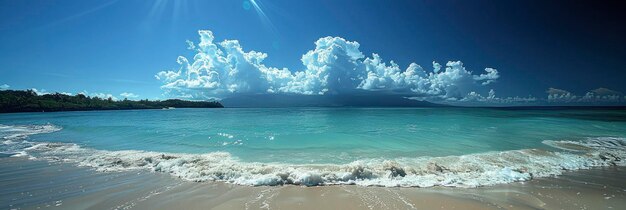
26, 184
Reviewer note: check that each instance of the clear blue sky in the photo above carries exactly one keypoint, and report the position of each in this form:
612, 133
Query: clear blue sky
119, 46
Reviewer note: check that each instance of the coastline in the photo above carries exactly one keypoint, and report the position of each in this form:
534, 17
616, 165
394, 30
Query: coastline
19, 101
32, 184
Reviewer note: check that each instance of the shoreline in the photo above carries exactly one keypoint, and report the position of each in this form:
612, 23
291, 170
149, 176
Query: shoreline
30, 184
97, 110
24, 101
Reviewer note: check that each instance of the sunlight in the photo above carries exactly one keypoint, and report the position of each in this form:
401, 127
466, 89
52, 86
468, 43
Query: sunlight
257, 7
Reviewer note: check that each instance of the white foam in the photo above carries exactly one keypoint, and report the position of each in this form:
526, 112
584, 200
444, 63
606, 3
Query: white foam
20, 154
230, 136
7, 142
589, 144
14, 137
15, 132
456, 171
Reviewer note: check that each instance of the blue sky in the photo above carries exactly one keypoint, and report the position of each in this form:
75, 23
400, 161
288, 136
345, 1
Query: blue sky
541, 50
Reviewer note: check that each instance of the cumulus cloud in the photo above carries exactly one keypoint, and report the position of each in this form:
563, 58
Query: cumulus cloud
555, 96
104, 96
491, 98
99, 95
85, 93
489, 77
605, 91
4, 87
40, 91
129, 95
559, 95
45, 92
334, 66
436, 67
593, 96
602, 95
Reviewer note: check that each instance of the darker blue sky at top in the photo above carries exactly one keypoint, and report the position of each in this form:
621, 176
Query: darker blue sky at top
118, 46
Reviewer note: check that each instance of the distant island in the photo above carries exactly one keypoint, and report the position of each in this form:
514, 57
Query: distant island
30, 101
356, 99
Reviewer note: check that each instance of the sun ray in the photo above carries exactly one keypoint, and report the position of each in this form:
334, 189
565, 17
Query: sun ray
264, 19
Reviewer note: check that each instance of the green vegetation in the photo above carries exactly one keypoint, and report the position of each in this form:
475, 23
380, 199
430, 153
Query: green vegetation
29, 101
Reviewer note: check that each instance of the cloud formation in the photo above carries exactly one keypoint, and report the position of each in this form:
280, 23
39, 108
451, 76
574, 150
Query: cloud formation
334, 66
129, 95
45, 92
604, 95
555, 96
559, 95
4, 87
40, 91
493, 99
99, 95
85, 93
476, 99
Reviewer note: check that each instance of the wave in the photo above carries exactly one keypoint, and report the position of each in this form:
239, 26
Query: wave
455, 171
14, 137
10, 133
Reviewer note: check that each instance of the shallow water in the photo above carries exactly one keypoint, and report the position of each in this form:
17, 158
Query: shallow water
42, 185
311, 146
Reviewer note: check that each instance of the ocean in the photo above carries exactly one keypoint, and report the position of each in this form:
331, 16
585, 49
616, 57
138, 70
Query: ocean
390, 147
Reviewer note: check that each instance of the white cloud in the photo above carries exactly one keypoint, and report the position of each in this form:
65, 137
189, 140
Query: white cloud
602, 95
4, 87
436, 67
605, 92
40, 92
335, 66
592, 96
84, 92
491, 98
45, 92
491, 76
559, 95
99, 95
190, 45
104, 96
129, 95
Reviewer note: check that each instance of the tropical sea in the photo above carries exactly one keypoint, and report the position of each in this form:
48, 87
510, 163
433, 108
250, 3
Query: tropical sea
389, 147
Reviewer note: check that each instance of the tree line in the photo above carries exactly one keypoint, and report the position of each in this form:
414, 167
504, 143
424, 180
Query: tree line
30, 101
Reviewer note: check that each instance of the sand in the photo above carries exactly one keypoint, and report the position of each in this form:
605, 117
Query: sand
27, 184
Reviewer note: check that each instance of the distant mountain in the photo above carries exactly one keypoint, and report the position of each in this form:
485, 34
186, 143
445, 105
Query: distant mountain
361, 100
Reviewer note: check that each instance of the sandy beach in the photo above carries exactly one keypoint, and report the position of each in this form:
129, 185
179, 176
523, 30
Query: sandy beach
29, 184
312, 105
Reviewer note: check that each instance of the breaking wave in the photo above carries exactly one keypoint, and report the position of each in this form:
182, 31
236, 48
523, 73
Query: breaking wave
456, 171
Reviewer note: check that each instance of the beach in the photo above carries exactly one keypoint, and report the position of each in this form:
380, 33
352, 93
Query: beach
29, 184
314, 158
307, 105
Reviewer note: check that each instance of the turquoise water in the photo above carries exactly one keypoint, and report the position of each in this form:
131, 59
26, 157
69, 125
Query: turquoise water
302, 137
323, 135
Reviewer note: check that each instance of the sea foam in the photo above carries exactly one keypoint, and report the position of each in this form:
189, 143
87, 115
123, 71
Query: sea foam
455, 171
